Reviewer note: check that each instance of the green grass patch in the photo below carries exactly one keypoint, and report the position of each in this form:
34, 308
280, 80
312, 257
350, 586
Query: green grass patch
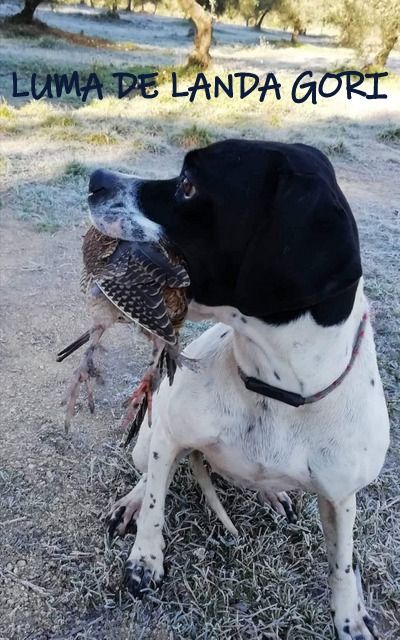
390, 136
334, 148
4, 163
6, 111
193, 136
186, 72
47, 226
76, 169
36, 109
48, 42
285, 44
56, 120
99, 138
69, 134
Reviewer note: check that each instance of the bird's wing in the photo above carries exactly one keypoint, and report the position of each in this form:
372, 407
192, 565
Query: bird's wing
146, 263
134, 284
157, 257
144, 305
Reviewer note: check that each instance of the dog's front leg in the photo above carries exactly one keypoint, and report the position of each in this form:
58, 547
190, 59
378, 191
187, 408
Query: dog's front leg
145, 562
349, 614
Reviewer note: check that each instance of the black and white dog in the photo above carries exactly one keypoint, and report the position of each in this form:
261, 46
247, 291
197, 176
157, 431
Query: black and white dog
288, 395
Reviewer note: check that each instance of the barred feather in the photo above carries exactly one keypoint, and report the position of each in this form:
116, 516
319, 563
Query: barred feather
145, 282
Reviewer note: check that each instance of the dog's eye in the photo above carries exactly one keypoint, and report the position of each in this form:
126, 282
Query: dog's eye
188, 189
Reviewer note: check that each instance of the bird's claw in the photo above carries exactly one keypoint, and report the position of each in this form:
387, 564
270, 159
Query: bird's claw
141, 396
82, 375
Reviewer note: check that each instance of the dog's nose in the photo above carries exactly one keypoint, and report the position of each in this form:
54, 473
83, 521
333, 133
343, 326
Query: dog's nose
102, 180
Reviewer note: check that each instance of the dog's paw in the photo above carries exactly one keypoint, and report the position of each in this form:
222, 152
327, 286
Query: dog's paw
356, 625
143, 571
125, 511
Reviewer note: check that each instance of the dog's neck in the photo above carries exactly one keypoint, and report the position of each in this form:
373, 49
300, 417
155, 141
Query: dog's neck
301, 356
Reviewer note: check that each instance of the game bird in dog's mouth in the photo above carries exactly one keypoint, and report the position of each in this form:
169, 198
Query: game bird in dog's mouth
137, 281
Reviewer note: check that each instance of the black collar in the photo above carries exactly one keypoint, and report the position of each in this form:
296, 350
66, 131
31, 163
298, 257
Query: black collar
295, 399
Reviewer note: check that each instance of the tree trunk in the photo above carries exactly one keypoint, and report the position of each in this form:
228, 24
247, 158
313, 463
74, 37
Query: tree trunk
260, 20
381, 57
26, 15
129, 6
200, 55
297, 28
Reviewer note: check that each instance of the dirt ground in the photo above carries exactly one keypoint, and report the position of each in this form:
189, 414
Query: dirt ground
60, 579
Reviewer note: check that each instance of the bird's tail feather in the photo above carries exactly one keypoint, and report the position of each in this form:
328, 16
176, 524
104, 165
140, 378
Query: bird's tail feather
207, 487
73, 346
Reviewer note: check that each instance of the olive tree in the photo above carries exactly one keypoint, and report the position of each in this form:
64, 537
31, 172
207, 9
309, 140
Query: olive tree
25, 16
202, 20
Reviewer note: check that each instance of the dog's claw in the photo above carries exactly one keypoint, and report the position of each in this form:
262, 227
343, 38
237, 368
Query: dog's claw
290, 511
115, 520
138, 577
356, 627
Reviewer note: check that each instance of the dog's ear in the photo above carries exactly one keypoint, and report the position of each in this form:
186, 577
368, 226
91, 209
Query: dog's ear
305, 246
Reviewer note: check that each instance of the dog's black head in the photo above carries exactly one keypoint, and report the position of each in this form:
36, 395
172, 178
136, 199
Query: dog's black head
263, 226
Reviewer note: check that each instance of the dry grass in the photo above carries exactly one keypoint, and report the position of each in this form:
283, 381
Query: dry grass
59, 576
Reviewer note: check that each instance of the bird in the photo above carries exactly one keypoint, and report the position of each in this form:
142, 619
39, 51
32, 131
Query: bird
131, 282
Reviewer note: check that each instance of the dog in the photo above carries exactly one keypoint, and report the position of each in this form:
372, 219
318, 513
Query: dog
288, 395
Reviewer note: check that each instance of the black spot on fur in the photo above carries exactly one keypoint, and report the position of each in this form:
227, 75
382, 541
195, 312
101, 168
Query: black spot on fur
277, 376
347, 570
250, 428
347, 510
346, 629
151, 495
243, 320
337, 566
223, 334
347, 620
359, 607
157, 525
234, 315
152, 557
372, 382
155, 455
151, 506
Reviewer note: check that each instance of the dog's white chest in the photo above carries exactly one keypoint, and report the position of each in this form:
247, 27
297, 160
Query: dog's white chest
255, 453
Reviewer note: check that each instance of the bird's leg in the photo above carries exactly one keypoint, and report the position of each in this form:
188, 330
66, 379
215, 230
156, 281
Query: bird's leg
83, 374
148, 384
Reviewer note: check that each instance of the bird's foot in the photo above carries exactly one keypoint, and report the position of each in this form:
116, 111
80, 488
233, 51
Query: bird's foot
134, 403
82, 375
